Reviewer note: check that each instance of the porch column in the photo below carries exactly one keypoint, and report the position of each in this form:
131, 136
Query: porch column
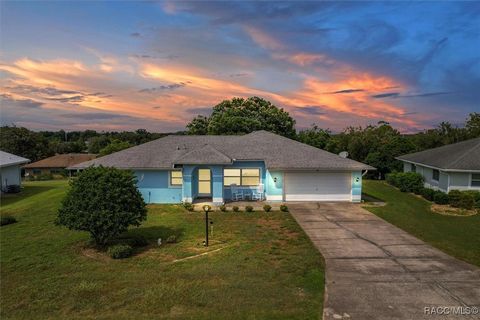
217, 184
187, 183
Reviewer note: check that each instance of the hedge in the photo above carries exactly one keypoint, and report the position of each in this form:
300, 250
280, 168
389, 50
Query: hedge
406, 181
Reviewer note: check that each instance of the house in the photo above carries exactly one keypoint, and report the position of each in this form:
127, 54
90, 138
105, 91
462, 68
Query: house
10, 171
454, 166
57, 163
183, 168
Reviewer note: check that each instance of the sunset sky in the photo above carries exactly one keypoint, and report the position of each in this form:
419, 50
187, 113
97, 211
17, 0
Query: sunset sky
155, 65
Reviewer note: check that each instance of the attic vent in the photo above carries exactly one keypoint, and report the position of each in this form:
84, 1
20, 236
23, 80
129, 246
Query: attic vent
178, 147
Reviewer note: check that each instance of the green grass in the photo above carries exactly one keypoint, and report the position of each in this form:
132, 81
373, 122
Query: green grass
457, 236
267, 269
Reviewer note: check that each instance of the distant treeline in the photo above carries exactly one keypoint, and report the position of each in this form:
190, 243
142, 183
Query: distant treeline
376, 145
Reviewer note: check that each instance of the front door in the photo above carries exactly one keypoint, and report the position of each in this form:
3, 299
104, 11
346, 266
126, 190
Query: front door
204, 183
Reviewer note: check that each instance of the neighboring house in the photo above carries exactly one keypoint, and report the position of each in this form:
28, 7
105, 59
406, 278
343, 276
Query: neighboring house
454, 166
56, 164
182, 168
10, 171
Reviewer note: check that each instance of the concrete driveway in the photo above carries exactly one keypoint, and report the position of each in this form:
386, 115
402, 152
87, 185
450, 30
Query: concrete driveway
374, 270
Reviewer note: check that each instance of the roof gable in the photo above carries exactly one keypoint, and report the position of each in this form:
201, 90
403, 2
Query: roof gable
463, 155
276, 151
62, 160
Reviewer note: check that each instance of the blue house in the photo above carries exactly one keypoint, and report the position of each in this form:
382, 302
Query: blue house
183, 168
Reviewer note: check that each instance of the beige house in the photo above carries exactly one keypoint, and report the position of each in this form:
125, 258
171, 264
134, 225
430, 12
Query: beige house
56, 164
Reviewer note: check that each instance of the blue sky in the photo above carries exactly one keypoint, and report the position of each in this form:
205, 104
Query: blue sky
155, 65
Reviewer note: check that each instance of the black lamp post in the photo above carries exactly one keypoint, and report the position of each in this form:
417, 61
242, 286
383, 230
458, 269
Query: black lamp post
206, 208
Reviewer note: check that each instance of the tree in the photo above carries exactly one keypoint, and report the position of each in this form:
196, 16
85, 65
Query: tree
473, 125
24, 143
241, 116
104, 202
96, 144
114, 146
314, 136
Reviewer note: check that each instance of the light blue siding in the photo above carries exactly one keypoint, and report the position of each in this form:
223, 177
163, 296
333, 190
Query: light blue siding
154, 187
274, 189
356, 186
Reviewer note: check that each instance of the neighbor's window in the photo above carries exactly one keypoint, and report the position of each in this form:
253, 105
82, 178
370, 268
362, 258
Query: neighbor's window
176, 178
435, 175
241, 177
36, 171
414, 168
475, 180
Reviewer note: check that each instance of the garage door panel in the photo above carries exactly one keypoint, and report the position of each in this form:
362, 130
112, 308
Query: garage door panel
317, 186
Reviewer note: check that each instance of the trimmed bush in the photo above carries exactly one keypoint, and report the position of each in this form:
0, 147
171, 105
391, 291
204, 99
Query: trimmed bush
427, 193
475, 194
406, 181
223, 208
467, 201
235, 208
267, 208
249, 208
188, 206
104, 202
454, 197
4, 220
120, 251
171, 239
440, 197
283, 208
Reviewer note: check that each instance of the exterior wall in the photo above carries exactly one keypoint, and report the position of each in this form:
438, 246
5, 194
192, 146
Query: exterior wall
154, 187
461, 181
10, 175
356, 186
227, 192
407, 167
443, 181
274, 189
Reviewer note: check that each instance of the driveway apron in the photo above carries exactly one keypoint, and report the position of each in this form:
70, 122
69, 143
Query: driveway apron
375, 270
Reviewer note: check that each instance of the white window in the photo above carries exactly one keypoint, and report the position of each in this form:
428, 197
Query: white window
475, 180
435, 175
241, 177
176, 178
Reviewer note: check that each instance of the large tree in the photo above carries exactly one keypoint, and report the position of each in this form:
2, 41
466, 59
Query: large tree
240, 116
25, 143
104, 202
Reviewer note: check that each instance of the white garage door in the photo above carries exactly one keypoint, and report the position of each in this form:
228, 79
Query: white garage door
318, 186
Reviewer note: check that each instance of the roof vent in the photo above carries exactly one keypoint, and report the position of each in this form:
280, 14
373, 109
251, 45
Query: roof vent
343, 154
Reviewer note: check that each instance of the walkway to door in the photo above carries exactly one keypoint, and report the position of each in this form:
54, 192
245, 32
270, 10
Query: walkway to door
376, 271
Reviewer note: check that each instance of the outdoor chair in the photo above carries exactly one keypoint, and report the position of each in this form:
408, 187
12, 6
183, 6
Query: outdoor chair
258, 193
237, 194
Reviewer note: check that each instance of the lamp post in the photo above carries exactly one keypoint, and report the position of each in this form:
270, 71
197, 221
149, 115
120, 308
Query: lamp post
206, 208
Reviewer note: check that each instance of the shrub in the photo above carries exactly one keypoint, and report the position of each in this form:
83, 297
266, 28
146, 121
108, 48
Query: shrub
249, 208
475, 194
283, 208
223, 208
44, 177
13, 188
267, 208
135, 241
235, 208
171, 239
120, 251
440, 197
188, 206
427, 193
406, 181
4, 220
467, 201
104, 202
454, 198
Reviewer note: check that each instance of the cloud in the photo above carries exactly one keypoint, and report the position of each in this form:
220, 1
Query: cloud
311, 110
9, 102
398, 95
386, 95
164, 87
347, 91
135, 34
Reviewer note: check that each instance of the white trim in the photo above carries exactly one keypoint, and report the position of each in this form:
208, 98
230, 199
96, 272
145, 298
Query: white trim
437, 168
186, 199
274, 197
319, 197
356, 198
217, 200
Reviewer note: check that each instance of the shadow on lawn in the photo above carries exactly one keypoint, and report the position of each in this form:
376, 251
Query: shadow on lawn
25, 193
153, 233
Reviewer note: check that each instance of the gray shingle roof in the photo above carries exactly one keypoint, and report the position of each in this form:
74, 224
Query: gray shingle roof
278, 153
463, 155
8, 159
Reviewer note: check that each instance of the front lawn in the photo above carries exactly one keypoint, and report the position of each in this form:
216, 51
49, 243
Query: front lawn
457, 236
261, 266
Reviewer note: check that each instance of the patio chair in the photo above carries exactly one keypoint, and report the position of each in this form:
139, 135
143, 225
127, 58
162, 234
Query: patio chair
237, 194
259, 193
